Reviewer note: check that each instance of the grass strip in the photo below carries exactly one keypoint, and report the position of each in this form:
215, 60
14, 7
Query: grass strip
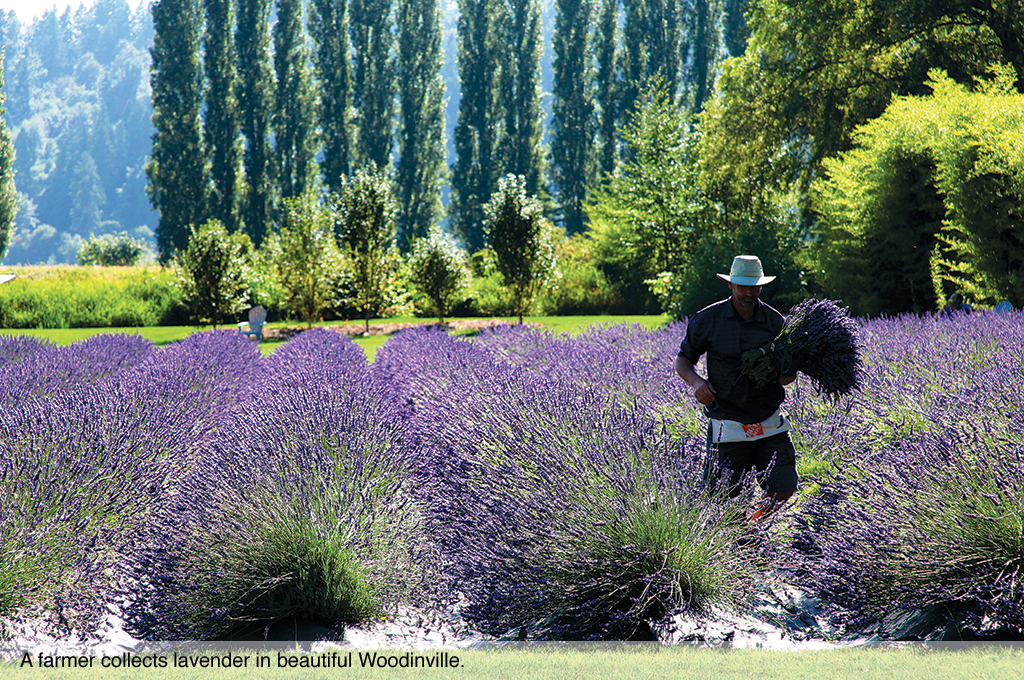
625, 663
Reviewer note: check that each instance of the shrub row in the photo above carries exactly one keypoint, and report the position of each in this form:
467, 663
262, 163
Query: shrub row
114, 297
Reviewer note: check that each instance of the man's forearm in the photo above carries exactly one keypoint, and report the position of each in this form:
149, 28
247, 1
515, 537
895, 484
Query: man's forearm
684, 369
703, 392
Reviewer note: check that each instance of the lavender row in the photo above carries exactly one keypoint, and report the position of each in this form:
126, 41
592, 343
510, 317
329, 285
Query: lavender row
299, 508
86, 465
567, 505
917, 530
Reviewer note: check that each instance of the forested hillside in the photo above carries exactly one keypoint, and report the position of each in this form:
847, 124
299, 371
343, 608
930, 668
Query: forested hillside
79, 108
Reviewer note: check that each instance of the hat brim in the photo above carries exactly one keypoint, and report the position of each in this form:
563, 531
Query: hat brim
747, 280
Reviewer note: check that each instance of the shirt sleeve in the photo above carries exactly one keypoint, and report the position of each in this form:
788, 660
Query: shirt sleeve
695, 343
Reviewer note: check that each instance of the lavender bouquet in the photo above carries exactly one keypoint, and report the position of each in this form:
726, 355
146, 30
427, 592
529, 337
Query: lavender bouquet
819, 339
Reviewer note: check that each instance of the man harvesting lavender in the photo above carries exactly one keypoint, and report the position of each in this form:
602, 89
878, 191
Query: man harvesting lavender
746, 422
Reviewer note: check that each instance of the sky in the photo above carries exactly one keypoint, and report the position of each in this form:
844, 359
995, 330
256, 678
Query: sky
27, 9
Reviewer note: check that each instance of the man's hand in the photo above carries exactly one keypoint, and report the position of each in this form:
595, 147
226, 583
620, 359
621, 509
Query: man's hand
705, 393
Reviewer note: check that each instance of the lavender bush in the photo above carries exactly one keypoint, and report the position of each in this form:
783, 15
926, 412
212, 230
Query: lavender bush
918, 531
300, 508
85, 466
32, 368
558, 500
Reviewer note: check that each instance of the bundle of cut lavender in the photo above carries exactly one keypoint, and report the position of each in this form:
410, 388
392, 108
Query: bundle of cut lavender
819, 339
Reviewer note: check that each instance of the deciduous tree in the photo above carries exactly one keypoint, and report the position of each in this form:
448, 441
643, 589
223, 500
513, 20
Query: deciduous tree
606, 53
373, 84
256, 103
515, 231
477, 168
308, 260
366, 231
573, 167
221, 139
293, 122
212, 273
440, 269
520, 140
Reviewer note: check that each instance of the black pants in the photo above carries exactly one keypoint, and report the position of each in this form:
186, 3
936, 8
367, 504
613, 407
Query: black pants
756, 454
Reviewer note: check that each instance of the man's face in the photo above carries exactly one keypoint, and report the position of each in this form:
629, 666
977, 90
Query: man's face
744, 297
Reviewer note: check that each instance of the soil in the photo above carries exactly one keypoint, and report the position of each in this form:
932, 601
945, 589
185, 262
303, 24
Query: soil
358, 329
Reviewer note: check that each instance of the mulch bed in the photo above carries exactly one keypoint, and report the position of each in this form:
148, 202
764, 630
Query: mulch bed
358, 330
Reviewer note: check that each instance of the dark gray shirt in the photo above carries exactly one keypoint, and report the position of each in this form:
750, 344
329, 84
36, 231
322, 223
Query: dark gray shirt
719, 331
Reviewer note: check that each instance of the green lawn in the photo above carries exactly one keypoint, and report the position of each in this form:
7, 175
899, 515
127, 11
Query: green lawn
162, 335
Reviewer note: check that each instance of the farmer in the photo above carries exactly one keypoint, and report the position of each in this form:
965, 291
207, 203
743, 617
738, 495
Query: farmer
745, 421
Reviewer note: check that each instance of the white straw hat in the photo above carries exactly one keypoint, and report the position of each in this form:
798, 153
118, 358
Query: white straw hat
747, 271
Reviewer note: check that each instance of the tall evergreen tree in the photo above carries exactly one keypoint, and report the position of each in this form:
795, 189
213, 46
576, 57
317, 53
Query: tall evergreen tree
8, 195
177, 181
476, 170
328, 28
87, 196
255, 100
735, 32
53, 39
606, 54
524, 121
220, 124
294, 123
572, 140
651, 41
704, 43
421, 144
373, 83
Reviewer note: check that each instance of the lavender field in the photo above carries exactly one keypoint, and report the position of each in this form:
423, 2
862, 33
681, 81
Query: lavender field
543, 485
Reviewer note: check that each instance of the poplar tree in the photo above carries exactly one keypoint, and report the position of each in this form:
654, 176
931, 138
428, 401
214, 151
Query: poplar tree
255, 100
220, 124
373, 83
8, 195
704, 44
293, 122
476, 170
524, 122
572, 139
328, 29
177, 181
421, 144
605, 49
651, 41
735, 31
